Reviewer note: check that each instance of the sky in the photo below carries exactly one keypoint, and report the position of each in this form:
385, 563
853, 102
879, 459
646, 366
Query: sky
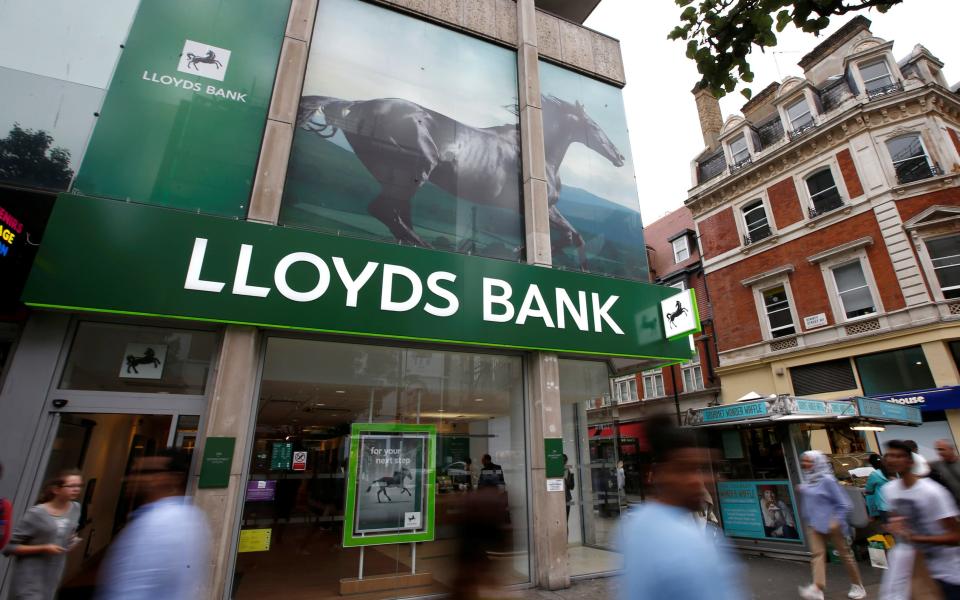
661, 114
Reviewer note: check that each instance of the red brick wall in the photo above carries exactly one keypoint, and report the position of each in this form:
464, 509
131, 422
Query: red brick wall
735, 315
718, 233
911, 207
850, 176
785, 203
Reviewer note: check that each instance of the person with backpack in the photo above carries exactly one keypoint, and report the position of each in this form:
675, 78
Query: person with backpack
825, 507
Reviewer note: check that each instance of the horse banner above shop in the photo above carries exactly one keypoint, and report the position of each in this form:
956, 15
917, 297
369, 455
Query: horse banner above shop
391, 484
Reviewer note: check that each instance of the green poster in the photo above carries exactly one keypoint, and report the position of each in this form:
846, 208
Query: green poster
217, 460
183, 119
281, 457
109, 256
553, 454
391, 484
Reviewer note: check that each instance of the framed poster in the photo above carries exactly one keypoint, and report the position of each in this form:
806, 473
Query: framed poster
143, 361
391, 484
762, 510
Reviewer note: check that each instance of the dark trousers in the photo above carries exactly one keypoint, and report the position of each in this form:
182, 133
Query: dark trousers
951, 591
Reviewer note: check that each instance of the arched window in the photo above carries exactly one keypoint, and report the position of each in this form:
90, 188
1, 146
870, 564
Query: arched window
756, 222
824, 194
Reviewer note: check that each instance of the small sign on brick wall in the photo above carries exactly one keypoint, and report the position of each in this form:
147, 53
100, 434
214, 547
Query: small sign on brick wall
814, 321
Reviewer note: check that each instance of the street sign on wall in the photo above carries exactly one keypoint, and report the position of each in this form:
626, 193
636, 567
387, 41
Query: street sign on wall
184, 117
139, 259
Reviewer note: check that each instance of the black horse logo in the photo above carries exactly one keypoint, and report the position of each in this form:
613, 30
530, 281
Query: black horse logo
677, 312
149, 358
396, 480
405, 145
211, 59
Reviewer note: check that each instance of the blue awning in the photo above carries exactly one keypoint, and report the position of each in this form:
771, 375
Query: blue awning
941, 398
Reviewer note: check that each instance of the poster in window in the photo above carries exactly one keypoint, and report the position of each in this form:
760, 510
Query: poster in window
390, 492
143, 361
763, 510
408, 133
595, 220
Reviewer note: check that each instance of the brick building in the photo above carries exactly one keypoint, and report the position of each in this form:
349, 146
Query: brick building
828, 215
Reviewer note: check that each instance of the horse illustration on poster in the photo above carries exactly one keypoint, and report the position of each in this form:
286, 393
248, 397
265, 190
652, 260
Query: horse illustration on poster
394, 481
405, 145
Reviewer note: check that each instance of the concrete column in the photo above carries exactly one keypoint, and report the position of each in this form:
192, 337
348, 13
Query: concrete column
548, 530
230, 411
281, 119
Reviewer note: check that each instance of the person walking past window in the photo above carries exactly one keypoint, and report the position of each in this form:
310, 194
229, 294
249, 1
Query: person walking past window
825, 507
6, 518
666, 553
42, 538
876, 504
923, 518
946, 471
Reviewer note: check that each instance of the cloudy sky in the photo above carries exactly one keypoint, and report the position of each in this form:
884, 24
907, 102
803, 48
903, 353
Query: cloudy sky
661, 113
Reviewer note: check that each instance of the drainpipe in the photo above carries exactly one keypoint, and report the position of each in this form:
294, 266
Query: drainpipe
676, 397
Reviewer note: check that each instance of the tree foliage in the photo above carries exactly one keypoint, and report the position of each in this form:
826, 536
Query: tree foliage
720, 34
26, 157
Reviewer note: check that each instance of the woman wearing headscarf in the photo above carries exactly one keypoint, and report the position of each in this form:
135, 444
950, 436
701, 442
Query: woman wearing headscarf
825, 507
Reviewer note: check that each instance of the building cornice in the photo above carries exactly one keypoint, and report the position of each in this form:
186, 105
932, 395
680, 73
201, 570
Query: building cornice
836, 131
831, 252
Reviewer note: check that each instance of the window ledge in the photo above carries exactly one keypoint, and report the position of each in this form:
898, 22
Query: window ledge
782, 270
945, 180
845, 209
767, 241
848, 247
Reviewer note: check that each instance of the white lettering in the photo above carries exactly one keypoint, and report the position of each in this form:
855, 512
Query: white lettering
489, 299
240, 287
527, 310
166, 79
433, 284
242, 97
211, 89
386, 294
600, 313
193, 281
280, 276
580, 313
353, 285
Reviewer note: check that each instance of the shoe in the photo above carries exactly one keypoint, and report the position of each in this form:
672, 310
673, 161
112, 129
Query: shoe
857, 592
811, 592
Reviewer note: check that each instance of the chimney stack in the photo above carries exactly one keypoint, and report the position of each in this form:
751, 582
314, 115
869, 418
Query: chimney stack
711, 119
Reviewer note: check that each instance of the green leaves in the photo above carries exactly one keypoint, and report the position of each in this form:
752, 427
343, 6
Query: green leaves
720, 34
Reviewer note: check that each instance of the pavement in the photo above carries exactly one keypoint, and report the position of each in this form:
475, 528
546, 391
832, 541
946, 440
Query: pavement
767, 579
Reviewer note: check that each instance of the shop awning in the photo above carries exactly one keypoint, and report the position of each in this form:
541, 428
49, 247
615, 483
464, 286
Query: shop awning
789, 408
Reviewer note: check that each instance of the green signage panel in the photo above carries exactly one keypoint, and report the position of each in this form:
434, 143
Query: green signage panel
281, 456
391, 484
110, 256
554, 463
183, 120
217, 460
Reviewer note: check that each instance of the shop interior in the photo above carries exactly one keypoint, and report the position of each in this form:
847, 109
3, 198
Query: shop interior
311, 393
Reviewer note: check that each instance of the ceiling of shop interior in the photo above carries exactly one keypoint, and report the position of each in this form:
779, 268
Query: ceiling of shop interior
572, 10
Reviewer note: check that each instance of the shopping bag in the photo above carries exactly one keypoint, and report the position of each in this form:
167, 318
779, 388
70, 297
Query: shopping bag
878, 556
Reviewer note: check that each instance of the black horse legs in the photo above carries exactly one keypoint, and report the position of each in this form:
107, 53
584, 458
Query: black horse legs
395, 213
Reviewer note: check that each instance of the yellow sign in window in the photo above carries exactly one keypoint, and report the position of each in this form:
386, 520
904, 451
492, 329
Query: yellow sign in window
254, 540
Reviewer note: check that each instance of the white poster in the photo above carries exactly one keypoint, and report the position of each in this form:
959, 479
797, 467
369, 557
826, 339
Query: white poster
143, 361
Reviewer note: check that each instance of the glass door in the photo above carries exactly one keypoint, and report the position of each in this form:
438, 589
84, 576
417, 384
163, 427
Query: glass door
103, 448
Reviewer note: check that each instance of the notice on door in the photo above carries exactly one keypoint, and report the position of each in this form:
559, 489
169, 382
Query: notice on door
390, 493
254, 540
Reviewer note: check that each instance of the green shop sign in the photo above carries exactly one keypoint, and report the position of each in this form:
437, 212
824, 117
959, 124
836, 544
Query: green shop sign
183, 120
109, 256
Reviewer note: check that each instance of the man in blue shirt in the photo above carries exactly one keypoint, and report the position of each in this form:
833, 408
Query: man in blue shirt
666, 553
162, 552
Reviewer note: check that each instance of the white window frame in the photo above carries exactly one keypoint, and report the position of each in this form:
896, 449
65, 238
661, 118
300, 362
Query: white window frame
890, 166
632, 391
742, 217
801, 183
927, 262
871, 61
653, 375
732, 160
761, 307
836, 304
693, 368
686, 248
680, 285
806, 101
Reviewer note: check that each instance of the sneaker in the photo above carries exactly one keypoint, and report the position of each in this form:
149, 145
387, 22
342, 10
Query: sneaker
857, 592
811, 592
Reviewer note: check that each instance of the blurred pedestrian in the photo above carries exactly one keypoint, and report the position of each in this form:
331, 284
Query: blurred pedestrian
666, 553
482, 529
921, 468
569, 482
162, 552
6, 517
923, 517
42, 538
876, 503
946, 471
825, 507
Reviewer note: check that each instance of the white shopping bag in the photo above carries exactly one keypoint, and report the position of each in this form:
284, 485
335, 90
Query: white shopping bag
878, 558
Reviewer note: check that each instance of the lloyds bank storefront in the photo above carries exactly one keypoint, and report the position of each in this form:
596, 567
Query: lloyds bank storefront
329, 248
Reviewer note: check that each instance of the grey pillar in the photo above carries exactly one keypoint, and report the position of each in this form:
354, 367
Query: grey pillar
229, 414
548, 531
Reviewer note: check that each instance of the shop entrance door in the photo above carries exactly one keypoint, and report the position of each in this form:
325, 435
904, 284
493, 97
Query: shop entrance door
103, 447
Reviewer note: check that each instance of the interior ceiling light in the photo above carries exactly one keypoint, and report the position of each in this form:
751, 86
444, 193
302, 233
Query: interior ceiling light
341, 391
478, 399
868, 427
319, 404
